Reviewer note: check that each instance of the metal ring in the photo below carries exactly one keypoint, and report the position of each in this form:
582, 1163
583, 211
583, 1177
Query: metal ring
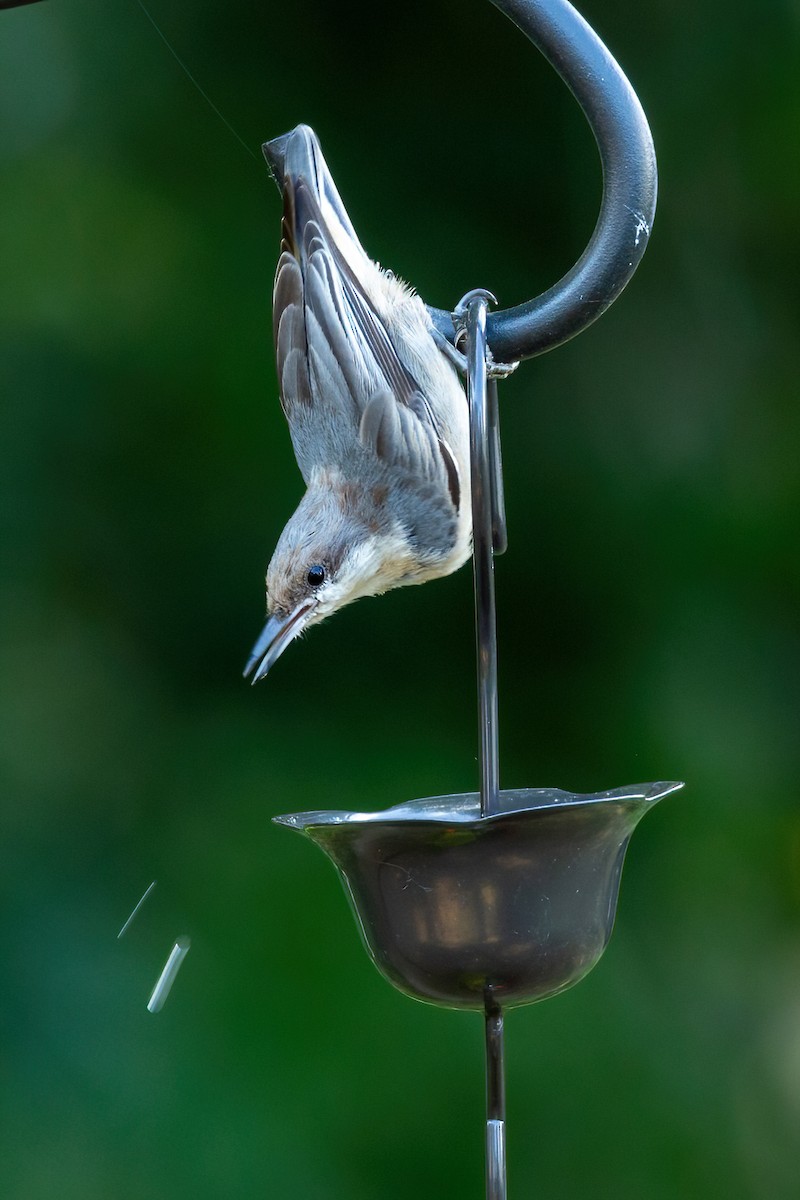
628, 159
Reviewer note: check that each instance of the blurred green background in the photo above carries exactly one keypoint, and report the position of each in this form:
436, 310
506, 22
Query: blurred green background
649, 621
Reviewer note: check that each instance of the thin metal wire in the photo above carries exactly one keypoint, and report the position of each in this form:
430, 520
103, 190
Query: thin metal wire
192, 79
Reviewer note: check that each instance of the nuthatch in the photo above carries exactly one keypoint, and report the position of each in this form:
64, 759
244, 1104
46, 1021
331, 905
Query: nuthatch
377, 416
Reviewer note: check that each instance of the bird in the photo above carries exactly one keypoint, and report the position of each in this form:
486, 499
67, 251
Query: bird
377, 415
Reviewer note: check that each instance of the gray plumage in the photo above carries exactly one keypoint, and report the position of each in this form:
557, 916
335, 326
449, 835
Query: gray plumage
376, 412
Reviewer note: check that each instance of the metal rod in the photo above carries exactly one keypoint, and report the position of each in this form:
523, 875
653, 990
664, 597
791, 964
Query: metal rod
495, 1104
484, 465
488, 535
628, 160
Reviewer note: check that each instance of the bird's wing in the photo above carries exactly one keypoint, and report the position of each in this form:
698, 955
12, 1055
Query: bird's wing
341, 378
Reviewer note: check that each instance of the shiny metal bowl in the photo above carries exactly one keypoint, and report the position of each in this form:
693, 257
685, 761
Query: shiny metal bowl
455, 907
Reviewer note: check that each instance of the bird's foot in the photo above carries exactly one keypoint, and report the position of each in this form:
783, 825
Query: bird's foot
494, 370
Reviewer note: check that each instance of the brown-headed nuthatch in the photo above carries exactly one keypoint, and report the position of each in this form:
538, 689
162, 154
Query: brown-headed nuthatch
377, 416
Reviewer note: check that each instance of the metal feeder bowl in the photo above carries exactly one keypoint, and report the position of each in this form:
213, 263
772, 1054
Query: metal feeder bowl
454, 907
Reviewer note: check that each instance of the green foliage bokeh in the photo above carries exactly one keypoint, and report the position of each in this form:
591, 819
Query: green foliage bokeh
648, 605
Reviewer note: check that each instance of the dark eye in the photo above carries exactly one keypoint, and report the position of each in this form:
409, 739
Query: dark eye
316, 575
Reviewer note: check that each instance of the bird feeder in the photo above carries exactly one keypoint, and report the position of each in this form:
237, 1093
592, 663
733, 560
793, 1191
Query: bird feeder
493, 899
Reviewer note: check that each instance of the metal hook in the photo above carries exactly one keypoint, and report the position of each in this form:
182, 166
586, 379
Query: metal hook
620, 237
494, 460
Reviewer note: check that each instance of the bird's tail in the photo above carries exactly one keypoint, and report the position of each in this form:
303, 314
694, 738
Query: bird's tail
309, 194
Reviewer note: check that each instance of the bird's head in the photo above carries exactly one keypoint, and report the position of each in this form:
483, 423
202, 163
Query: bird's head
327, 556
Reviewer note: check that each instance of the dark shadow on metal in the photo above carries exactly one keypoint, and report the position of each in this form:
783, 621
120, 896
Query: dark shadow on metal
629, 188
16, 3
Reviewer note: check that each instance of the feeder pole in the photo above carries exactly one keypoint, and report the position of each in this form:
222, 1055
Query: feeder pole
495, 1103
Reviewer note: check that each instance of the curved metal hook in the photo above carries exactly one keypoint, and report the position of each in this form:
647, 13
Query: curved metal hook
628, 159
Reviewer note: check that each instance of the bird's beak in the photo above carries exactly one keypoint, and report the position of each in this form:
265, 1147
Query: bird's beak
275, 637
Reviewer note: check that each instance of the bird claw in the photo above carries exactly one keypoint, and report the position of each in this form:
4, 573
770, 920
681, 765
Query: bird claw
494, 370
